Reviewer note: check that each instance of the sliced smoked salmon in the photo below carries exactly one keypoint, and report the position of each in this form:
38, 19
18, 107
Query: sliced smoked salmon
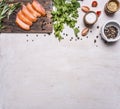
38, 7
28, 14
21, 24
32, 10
23, 18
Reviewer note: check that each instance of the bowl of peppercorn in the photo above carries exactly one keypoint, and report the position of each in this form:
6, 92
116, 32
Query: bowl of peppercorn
110, 31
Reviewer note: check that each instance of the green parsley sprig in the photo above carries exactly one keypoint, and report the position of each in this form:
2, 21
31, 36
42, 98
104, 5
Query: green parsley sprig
66, 12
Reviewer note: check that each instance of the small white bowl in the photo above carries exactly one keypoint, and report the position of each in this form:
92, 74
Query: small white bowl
111, 23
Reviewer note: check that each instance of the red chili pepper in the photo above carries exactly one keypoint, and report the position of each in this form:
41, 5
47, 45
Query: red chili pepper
98, 13
94, 4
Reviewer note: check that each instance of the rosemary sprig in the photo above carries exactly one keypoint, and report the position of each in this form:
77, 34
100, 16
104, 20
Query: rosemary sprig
12, 8
6, 10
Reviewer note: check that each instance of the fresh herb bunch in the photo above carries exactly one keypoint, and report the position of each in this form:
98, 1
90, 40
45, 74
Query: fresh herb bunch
66, 12
6, 10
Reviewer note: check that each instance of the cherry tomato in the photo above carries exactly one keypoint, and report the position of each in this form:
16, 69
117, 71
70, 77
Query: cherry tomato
94, 4
98, 13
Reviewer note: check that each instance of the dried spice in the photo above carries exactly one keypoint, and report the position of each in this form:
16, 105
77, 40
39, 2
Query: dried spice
111, 32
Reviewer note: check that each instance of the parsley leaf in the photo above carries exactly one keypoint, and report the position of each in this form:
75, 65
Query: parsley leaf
65, 13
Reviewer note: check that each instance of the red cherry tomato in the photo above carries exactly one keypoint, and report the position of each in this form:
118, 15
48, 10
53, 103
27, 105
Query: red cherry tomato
98, 13
94, 4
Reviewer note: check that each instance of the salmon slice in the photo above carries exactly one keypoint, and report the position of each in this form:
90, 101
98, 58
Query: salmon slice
23, 18
28, 14
32, 10
21, 24
38, 7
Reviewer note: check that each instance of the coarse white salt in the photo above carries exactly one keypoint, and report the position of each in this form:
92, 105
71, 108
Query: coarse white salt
91, 18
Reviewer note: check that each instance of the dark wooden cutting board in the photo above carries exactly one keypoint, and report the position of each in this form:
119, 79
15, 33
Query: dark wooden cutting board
43, 24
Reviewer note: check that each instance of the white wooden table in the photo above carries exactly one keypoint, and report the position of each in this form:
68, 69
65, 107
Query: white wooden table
43, 73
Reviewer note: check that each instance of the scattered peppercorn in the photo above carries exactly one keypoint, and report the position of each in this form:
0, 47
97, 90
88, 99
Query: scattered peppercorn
97, 36
90, 31
49, 33
75, 39
27, 35
97, 27
78, 38
63, 33
95, 41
